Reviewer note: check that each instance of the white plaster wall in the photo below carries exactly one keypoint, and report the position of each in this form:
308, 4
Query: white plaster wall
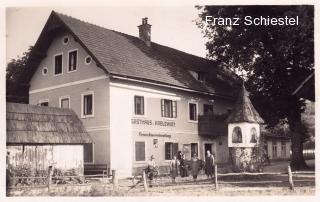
246, 136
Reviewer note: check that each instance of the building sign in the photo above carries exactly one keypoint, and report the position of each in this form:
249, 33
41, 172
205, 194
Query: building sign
154, 134
155, 123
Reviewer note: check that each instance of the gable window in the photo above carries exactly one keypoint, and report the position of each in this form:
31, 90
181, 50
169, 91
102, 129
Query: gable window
88, 153
87, 105
44, 71
58, 64
65, 40
168, 108
88, 60
73, 59
207, 109
64, 102
138, 105
170, 149
193, 114
140, 151
237, 135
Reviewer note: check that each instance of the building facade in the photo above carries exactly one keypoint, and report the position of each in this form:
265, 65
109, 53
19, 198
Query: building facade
136, 98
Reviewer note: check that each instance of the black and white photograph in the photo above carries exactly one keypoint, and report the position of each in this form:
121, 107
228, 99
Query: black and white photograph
196, 99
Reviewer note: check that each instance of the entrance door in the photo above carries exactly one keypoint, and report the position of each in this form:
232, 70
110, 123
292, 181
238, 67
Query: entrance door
210, 147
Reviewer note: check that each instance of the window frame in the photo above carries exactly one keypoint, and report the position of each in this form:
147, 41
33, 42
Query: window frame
197, 112
82, 104
174, 113
232, 135
172, 143
145, 151
77, 60
144, 106
91, 162
65, 97
85, 60
194, 143
64, 37
44, 74
54, 64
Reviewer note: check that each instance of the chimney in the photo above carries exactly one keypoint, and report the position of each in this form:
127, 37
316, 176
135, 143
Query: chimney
145, 31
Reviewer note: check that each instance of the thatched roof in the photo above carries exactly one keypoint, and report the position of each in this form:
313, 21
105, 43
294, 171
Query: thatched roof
30, 124
243, 110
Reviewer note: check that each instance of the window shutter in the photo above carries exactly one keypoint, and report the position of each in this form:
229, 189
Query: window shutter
140, 151
174, 109
175, 149
162, 107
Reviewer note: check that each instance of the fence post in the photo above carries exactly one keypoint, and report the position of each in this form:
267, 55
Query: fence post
291, 185
216, 176
115, 179
49, 177
144, 178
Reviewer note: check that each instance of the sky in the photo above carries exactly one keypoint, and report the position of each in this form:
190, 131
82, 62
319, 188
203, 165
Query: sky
172, 26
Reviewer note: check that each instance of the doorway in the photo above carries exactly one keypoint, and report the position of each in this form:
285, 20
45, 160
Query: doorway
210, 147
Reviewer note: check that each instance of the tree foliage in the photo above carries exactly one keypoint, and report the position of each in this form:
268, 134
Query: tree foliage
275, 59
15, 83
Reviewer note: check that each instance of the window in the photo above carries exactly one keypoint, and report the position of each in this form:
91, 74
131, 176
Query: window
237, 135
283, 149
88, 60
193, 115
58, 64
44, 71
88, 153
194, 149
168, 108
44, 104
207, 109
254, 136
200, 76
65, 102
138, 105
73, 58
274, 149
87, 105
140, 148
65, 40
171, 149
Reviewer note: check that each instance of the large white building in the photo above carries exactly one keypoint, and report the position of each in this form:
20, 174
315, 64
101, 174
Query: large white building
136, 98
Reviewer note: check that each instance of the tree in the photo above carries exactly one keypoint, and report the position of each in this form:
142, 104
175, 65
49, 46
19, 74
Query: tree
16, 88
273, 59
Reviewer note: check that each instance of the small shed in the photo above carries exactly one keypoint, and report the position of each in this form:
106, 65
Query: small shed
39, 137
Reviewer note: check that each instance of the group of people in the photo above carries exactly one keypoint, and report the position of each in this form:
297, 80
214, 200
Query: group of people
180, 166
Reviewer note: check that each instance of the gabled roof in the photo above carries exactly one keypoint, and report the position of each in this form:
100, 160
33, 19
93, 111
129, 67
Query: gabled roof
123, 55
243, 110
30, 124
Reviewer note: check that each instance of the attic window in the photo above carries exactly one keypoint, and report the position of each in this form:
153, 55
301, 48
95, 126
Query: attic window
88, 60
44, 71
65, 40
200, 76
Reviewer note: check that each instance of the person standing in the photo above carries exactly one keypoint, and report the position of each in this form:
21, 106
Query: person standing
209, 164
174, 168
183, 166
195, 166
151, 170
